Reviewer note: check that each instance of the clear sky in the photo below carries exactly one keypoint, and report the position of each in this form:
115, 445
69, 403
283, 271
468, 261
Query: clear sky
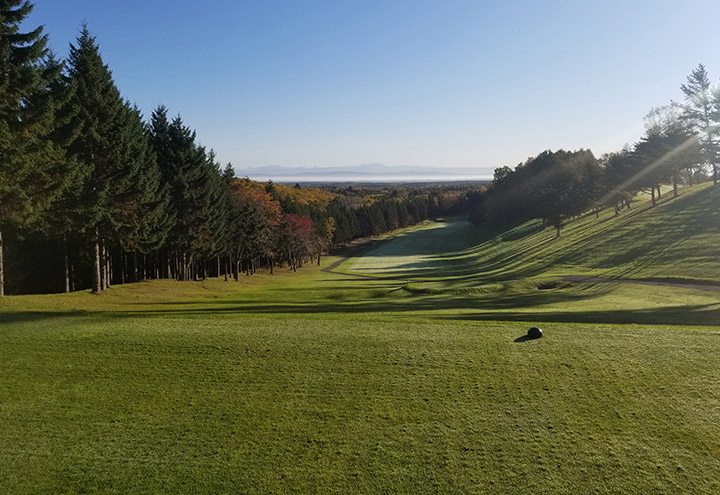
426, 83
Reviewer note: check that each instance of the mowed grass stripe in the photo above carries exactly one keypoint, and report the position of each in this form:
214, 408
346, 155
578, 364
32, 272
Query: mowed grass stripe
677, 239
311, 406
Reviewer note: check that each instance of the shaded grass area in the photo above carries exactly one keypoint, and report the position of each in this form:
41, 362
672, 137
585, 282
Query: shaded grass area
190, 405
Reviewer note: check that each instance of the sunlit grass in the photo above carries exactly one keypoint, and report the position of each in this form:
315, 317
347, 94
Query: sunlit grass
677, 239
315, 382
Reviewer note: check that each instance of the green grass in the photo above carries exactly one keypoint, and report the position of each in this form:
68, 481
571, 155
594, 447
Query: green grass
678, 240
319, 382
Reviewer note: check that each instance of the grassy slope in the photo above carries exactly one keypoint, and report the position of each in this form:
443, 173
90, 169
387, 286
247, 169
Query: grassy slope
677, 239
324, 383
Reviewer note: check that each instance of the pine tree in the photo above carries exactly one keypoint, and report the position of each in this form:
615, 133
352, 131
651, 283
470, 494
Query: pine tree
61, 220
142, 219
32, 174
104, 139
702, 111
195, 185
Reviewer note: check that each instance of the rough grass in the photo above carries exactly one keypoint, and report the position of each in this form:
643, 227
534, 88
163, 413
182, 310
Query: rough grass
320, 382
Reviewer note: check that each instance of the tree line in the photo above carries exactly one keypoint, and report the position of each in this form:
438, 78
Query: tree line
681, 143
91, 194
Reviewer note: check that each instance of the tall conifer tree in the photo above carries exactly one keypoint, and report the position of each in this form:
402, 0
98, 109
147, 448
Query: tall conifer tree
103, 142
702, 111
32, 173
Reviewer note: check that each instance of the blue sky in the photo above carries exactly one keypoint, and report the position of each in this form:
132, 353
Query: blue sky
427, 83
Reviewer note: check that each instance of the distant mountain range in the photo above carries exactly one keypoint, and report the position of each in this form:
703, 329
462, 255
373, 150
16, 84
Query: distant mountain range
371, 172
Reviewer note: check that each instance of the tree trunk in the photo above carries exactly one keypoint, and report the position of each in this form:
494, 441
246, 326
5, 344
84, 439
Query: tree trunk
102, 265
652, 194
2, 268
135, 267
658, 189
144, 270
675, 186
715, 175
96, 287
108, 266
557, 231
123, 263
67, 266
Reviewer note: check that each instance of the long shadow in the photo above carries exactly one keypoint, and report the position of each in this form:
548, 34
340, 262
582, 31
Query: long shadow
695, 315
33, 316
384, 302
685, 226
497, 309
647, 242
500, 307
419, 305
645, 245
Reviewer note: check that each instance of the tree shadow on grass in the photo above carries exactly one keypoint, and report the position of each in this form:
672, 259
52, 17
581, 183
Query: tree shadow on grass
532, 307
381, 299
692, 315
34, 316
497, 309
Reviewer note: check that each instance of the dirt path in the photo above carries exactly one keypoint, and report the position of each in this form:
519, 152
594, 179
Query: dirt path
584, 279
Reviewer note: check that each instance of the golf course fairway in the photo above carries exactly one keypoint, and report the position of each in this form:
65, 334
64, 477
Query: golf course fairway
403, 369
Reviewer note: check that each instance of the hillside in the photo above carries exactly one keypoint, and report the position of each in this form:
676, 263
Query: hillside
678, 239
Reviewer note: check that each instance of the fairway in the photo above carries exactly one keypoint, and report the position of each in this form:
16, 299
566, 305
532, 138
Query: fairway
417, 252
675, 241
353, 381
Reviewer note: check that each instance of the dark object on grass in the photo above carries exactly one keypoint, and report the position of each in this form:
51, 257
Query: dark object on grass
534, 333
